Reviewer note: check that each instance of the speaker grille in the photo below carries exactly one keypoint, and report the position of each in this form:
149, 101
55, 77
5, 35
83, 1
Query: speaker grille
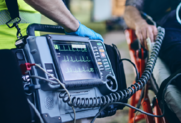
49, 103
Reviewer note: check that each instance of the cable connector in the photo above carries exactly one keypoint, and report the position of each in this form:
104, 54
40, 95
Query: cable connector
26, 67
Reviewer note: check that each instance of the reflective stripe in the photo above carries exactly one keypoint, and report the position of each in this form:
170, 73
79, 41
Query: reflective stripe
26, 17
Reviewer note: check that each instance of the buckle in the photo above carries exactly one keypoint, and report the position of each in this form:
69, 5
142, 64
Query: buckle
14, 22
20, 43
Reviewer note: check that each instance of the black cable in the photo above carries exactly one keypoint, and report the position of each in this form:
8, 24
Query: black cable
126, 93
170, 81
120, 103
136, 109
177, 75
140, 99
137, 73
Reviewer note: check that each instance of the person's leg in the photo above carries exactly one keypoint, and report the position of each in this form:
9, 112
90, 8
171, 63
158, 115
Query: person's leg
13, 104
170, 51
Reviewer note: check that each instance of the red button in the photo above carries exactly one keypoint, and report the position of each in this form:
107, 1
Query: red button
103, 55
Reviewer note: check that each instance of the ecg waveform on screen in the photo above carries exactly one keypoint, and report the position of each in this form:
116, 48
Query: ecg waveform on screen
80, 70
76, 59
69, 48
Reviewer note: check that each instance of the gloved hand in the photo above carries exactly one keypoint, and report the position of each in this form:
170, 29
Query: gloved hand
86, 32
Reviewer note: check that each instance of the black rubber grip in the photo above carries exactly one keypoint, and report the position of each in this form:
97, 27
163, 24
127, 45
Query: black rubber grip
44, 28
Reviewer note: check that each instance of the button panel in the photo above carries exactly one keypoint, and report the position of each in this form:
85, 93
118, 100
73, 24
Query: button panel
101, 69
106, 66
106, 63
101, 50
104, 60
96, 53
99, 60
101, 57
99, 63
50, 70
95, 50
101, 66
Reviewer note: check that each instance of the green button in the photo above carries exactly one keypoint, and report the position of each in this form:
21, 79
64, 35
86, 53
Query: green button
99, 44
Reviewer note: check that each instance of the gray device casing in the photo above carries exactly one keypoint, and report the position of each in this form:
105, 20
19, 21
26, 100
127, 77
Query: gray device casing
47, 101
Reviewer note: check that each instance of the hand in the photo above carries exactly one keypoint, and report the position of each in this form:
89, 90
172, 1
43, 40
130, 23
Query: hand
144, 31
86, 32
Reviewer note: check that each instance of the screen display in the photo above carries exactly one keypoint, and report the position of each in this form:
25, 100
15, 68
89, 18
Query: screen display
76, 61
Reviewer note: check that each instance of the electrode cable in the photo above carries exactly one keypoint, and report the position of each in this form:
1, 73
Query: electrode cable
36, 111
67, 92
128, 105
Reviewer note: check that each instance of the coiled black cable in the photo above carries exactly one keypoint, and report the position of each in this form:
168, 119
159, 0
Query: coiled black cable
121, 94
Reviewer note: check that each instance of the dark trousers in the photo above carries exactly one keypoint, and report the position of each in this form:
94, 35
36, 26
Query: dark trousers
170, 51
13, 104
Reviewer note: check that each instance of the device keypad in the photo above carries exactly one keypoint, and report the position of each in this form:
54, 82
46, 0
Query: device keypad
99, 63
101, 66
50, 70
101, 59
97, 56
103, 55
104, 60
95, 50
106, 66
95, 47
101, 69
105, 63
96, 53
101, 50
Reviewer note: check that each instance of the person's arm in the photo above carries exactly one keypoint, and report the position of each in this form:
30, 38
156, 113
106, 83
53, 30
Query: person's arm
142, 29
56, 11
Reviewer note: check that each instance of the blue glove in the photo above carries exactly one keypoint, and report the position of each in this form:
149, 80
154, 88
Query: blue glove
86, 32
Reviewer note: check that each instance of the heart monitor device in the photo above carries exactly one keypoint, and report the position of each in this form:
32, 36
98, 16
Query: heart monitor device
81, 64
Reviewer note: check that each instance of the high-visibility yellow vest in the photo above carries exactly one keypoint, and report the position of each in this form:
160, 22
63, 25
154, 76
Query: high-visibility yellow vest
8, 35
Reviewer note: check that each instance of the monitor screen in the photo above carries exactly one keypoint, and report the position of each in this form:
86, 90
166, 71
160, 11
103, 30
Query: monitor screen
76, 61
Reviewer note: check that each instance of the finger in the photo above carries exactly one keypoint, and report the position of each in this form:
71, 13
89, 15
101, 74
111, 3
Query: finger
144, 34
155, 32
150, 34
99, 37
145, 45
140, 38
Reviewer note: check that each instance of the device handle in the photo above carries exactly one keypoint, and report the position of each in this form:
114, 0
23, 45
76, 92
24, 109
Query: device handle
44, 28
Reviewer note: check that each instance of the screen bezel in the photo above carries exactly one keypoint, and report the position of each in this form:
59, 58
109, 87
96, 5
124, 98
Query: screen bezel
65, 38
